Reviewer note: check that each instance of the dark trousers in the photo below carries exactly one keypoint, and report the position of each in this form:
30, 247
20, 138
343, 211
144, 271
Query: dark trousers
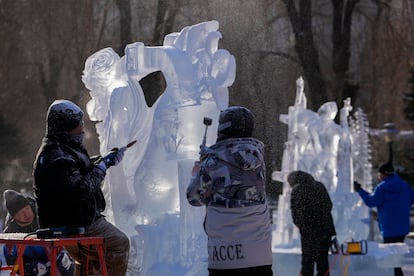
397, 270
116, 248
320, 257
315, 253
265, 270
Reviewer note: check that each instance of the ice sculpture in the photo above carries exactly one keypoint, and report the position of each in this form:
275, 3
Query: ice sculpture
143, 193
318, 145
146, 192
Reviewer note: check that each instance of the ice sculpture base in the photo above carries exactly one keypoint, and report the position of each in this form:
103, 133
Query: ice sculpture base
379, 260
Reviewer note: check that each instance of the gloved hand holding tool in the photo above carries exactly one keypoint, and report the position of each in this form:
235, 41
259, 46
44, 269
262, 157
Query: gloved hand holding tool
114, 156
357, 186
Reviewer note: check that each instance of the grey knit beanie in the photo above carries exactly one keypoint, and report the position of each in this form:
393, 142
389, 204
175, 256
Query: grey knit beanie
14, 201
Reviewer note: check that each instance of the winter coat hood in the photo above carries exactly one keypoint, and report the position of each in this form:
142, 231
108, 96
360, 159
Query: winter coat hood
299, 177
243, 153
394, 184
231, 182
62, 117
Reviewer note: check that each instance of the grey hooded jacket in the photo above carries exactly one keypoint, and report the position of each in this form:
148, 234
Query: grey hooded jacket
231, 183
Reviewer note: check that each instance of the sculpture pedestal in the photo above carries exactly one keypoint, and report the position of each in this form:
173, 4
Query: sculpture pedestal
379, 260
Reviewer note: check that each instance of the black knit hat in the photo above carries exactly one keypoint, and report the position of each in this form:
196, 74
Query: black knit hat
386, 169
62, 117
235, 122
14, 201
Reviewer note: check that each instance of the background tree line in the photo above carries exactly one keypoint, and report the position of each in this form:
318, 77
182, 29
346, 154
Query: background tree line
361, 49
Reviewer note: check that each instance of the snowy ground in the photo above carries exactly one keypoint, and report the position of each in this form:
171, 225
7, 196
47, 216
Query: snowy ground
408, 268
287, 262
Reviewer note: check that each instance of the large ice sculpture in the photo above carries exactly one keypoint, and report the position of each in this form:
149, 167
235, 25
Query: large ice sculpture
335, 154
327, 150
146, 192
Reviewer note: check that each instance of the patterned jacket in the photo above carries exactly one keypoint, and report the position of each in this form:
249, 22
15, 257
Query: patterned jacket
231, 183
67, 185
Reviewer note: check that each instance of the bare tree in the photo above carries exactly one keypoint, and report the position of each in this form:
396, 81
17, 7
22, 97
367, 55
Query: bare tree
343, 85
45, 46
164, 21
301, 20
125, 22
341, 47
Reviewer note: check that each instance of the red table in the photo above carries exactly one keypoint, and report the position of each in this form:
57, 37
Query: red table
55, 245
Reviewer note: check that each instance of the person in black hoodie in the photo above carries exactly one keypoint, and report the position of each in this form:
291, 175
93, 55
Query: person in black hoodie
67, 183
311, 207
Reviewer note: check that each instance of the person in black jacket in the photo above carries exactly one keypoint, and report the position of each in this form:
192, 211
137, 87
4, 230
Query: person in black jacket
311, 207
67, 183
21, 213
22, 218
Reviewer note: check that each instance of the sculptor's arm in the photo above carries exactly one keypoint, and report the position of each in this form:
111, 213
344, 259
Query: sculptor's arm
374, 199
325, 199
412, 195
195, 190
296, 208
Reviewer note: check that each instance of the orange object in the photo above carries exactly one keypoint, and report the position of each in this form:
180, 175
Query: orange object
54, 246
354, 247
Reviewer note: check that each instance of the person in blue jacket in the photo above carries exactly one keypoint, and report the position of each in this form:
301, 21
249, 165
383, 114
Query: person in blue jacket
393, 198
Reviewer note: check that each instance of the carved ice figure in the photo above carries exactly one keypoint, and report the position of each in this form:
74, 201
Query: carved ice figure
361, 149
298, 146
345, 167
319, 146
297, 155
146, 189
119, 105
324, 135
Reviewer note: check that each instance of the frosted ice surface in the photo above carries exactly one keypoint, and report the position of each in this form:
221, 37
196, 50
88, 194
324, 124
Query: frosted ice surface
146, 192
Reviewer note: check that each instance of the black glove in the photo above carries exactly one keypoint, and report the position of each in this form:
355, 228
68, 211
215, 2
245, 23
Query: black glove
113, 157
357, 186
